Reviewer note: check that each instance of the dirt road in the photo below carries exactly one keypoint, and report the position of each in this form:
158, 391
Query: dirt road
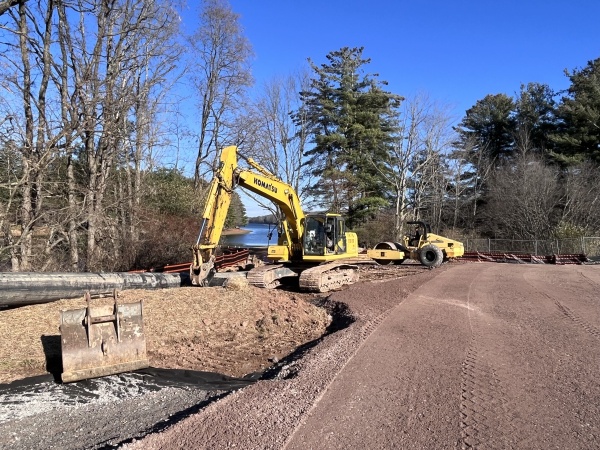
479, 356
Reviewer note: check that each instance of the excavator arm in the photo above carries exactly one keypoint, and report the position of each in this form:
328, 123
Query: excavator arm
266, 185
257, 180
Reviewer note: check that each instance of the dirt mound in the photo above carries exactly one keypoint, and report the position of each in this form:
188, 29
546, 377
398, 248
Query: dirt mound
234, 330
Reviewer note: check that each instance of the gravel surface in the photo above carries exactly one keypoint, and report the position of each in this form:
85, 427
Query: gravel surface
235, 331
265, 414
465, 356
472, 356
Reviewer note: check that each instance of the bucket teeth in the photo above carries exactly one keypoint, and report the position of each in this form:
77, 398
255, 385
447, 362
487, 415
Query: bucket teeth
102, 340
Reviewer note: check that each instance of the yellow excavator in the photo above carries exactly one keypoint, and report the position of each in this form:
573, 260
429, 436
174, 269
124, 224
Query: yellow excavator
313, 247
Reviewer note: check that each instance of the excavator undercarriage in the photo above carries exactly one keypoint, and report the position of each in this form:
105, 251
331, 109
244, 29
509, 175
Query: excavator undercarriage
321, 278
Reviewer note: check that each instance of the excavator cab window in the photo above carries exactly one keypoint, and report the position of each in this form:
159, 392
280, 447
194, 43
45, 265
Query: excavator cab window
324, 236
330, 236
314, 236
341, 237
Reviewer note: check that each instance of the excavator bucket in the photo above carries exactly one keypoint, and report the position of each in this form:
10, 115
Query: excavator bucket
102, 340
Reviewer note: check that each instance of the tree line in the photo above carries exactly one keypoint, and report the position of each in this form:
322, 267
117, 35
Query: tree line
521, 167
94, 173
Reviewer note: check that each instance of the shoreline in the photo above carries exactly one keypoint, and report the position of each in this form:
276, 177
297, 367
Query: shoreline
234, 231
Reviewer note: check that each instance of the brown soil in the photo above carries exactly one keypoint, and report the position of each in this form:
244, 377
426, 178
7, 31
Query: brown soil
235, 331
231, 331
469, 356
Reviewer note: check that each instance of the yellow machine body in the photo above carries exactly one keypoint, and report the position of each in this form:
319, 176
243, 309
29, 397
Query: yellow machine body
303, 240
424, 246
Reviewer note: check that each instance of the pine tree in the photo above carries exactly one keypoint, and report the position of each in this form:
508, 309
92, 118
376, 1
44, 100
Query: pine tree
351, 120
534, 118
488, 128
578, 137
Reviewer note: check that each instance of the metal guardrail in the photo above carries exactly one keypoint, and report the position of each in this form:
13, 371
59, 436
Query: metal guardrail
589, 246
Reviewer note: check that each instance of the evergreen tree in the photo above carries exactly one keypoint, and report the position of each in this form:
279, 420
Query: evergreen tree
351, 120
535, 119
236, 216
170, 193
578, 135
489, 125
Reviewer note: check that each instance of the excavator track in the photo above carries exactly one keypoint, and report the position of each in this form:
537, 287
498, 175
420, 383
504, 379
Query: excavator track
328, 276
269, 276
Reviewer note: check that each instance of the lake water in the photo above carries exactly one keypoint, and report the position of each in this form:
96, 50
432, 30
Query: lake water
256, 238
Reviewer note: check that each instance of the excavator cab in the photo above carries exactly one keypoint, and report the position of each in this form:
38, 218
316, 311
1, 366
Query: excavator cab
324, 234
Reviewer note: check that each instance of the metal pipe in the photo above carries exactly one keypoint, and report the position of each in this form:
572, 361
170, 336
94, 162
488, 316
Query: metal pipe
17, 289
202, 225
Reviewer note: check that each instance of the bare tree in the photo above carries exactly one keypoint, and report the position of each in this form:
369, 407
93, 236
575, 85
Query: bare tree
33, 130
581, 198
157, 56
458, 188
278, 141
89, 76
415, 158
477, 169
523, 199
430, 174
220, 64
7, 4
120, 68
10, 174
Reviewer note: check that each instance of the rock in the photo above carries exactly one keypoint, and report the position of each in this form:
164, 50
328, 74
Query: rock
236, 283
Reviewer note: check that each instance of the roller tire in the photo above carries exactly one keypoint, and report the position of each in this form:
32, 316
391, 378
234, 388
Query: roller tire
385, 246
431, 256
383, 262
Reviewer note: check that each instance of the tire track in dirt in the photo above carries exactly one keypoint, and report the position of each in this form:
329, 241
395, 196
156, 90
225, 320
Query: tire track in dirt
567, 312
484, 411
590, 410
555, 298
588, 279
575, 318
371, 325
485, 417
572, 362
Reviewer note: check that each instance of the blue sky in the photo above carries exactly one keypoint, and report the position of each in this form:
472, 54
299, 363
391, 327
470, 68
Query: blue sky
455, 51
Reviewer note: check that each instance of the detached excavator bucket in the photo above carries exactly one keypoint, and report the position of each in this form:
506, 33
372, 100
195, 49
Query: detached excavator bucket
102, 340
